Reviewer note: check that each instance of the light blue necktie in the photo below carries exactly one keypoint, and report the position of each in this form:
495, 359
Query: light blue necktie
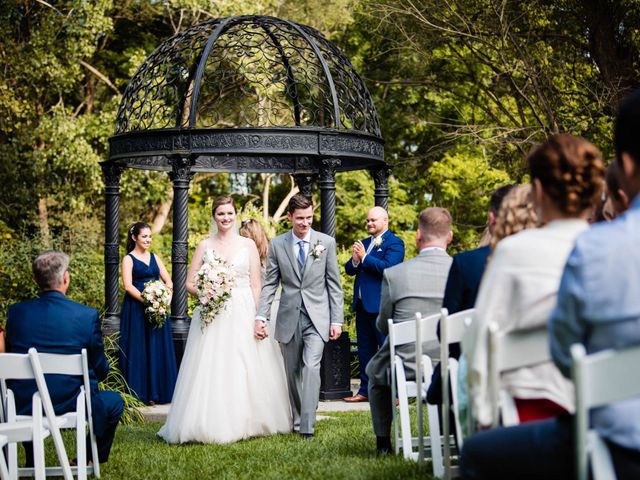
301, 255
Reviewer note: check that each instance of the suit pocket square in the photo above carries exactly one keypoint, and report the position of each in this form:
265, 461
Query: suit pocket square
379, 250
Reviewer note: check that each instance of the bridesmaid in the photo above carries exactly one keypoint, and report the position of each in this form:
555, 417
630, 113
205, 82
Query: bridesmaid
147, 359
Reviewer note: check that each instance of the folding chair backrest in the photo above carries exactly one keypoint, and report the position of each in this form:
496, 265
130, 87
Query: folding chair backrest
78, 365
600, 378
518, 349
511, 351
15, 366
61, 364
456, 324
452, 329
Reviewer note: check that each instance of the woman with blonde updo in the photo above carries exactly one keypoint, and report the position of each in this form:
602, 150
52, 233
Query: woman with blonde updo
517, 212
519, 288
252, 229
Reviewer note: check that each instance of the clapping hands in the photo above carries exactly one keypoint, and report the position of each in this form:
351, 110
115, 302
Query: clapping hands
357, 252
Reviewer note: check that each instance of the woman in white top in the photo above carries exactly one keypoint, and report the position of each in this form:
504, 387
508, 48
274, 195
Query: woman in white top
519, 288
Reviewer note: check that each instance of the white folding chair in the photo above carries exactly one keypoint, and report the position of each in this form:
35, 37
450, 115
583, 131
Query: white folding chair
507, 352
76, 365
452, 328
404, 333
600, 379
32, 428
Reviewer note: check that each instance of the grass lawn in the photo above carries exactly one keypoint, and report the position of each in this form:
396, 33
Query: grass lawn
343, 448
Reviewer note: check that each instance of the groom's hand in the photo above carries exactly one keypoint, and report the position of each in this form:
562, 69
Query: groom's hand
335, 332
260, 330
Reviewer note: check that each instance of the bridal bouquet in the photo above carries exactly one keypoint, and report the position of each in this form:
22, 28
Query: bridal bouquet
156, 297
214, 282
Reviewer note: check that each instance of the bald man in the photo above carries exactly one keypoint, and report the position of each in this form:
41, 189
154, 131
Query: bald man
369, 258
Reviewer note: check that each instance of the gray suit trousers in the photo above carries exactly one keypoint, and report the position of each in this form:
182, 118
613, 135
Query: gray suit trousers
380, 404
302, 356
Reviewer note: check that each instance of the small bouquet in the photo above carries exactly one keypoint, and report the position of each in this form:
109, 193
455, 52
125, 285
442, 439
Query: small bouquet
214, 282
156, 297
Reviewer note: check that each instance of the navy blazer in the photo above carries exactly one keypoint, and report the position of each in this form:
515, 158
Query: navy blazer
369, 272
54, 324
464, 279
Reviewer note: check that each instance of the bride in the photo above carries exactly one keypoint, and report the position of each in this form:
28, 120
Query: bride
230, 385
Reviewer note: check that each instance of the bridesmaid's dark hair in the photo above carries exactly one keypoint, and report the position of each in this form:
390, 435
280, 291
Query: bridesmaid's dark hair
222, 200
134, 231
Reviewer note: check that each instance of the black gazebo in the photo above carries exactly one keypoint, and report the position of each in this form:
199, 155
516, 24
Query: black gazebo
239, 94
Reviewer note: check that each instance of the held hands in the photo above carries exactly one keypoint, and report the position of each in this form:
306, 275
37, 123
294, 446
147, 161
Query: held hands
335, 332
357, 252
260, 329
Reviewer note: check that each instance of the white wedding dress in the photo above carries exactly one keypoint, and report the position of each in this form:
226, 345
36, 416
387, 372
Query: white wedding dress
230, 385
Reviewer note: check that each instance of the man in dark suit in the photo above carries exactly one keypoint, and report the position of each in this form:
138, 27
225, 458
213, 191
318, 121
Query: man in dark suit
54, 324
462, 287
369, 258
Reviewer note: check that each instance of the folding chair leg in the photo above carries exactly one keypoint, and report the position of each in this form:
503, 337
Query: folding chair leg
4, 470
38, 439
394, 411
81, 447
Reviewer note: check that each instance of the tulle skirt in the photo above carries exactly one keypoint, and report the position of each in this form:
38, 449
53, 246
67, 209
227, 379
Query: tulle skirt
230, 385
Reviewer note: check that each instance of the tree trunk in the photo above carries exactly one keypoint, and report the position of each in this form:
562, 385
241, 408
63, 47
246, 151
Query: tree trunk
162, 213
43, 221
265, 196
277, 216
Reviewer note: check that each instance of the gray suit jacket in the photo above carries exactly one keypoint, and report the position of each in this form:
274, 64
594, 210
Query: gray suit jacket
416, 285
317, 286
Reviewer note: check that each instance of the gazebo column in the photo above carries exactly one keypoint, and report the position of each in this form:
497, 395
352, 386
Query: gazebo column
381, 186
334, 370
328, 195
111, 173
304, 182
180, 176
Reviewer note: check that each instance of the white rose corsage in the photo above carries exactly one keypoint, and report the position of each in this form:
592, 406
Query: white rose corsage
377, 242
318, 249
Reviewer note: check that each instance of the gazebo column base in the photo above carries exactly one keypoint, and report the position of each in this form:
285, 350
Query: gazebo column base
334, 371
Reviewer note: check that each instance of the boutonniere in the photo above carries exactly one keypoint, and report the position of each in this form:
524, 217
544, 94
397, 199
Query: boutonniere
318, 249
377, 242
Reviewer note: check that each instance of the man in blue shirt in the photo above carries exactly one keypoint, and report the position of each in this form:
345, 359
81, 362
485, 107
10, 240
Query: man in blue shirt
598, 306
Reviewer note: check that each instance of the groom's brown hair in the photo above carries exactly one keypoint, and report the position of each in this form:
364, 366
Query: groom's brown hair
298, 201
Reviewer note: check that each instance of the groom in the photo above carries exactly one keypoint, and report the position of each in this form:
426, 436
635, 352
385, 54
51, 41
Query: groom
310, 313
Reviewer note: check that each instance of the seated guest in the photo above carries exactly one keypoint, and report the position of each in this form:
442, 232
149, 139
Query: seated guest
462, 286
52, 323
519, 288
416, 285
598, 307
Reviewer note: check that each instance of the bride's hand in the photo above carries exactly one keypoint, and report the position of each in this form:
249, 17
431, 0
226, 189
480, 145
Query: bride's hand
260, 330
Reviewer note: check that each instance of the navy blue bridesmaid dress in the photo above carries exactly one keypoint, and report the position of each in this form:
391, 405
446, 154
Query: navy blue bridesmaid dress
147, 358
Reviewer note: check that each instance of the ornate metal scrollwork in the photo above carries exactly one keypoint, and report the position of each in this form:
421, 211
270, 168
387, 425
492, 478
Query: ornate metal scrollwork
328, 168
304, 182
180, 169
247, 71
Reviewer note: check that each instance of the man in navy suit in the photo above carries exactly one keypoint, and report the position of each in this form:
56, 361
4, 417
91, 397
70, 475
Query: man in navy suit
54, 324
369, 258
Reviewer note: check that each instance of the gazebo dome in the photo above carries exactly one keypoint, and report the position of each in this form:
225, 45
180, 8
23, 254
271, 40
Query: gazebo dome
247, 93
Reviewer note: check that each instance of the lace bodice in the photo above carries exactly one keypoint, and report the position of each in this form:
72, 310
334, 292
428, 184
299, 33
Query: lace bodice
239, 261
